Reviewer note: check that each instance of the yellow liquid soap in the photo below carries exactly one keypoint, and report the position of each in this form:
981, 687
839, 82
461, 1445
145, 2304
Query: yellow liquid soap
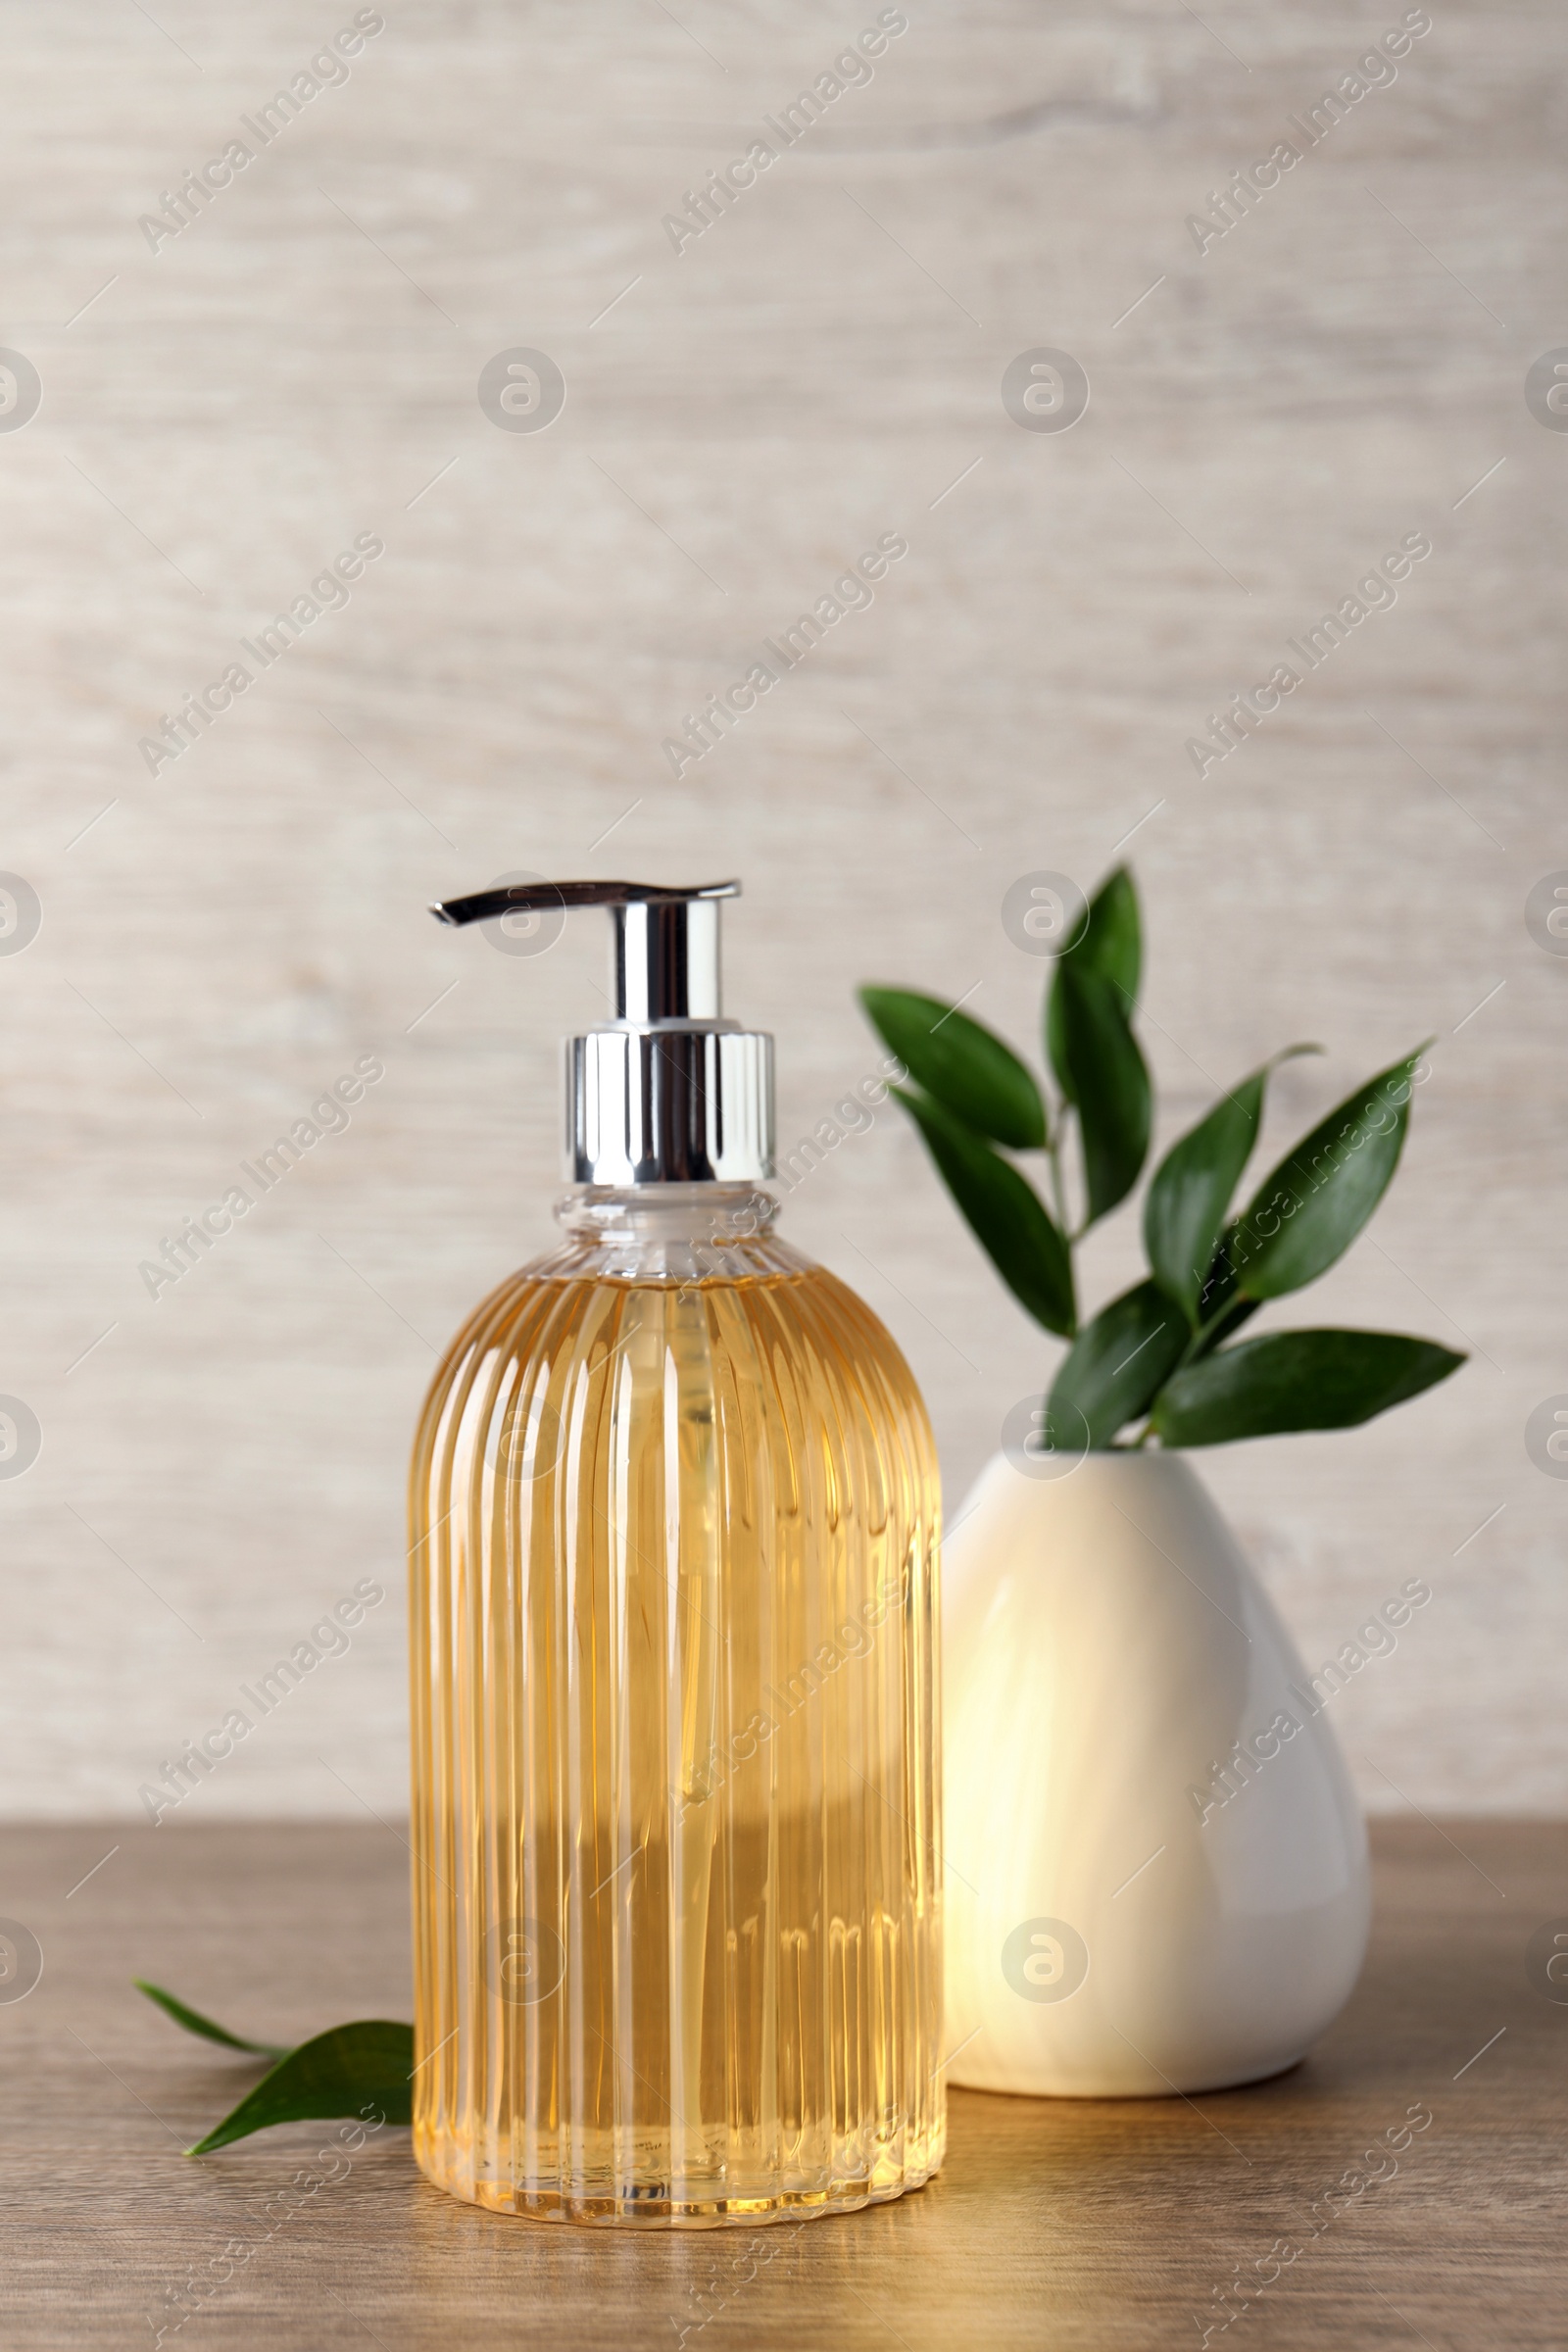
676, 1785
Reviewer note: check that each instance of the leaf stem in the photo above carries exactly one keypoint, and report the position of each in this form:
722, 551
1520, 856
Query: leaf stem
1236, 1312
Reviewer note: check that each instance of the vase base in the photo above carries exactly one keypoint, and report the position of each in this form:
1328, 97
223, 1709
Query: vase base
1203, 2080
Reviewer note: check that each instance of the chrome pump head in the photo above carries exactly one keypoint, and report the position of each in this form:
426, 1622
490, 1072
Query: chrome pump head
667, 1092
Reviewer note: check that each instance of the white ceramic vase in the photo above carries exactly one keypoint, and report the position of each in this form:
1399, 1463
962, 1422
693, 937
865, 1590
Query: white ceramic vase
1135, 1904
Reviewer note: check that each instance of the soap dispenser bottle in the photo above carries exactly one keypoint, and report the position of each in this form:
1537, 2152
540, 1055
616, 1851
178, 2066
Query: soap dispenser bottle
675, 1516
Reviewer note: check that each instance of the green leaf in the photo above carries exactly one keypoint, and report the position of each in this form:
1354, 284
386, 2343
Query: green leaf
343, 2072
1190, 1191
1296, 1380
1005, 1214
1221, 1313
963, 1065
1111, 946
194, 2023
1118, 1362
1310, 1209
1109, 1085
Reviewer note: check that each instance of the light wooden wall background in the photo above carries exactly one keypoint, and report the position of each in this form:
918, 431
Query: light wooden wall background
221, 942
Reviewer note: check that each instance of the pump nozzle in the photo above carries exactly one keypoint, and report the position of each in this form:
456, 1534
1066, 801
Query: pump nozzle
669, 1092
663, 942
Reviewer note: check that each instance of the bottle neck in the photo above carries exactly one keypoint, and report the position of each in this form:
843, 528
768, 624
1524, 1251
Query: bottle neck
674, 1231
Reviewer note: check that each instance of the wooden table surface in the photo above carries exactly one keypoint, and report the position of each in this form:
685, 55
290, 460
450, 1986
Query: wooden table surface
1095, 2224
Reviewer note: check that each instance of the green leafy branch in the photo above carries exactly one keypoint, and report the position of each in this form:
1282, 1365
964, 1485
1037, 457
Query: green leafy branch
1157, 1356
351, 2069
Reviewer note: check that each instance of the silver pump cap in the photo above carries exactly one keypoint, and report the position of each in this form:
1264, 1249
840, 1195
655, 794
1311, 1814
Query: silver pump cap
667, 1092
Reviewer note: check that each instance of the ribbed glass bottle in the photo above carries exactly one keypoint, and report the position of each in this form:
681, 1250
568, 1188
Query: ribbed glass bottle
677, 1882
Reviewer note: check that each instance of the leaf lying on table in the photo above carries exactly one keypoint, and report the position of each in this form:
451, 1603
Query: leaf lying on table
345, 2071
342, 2072
194, 2023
